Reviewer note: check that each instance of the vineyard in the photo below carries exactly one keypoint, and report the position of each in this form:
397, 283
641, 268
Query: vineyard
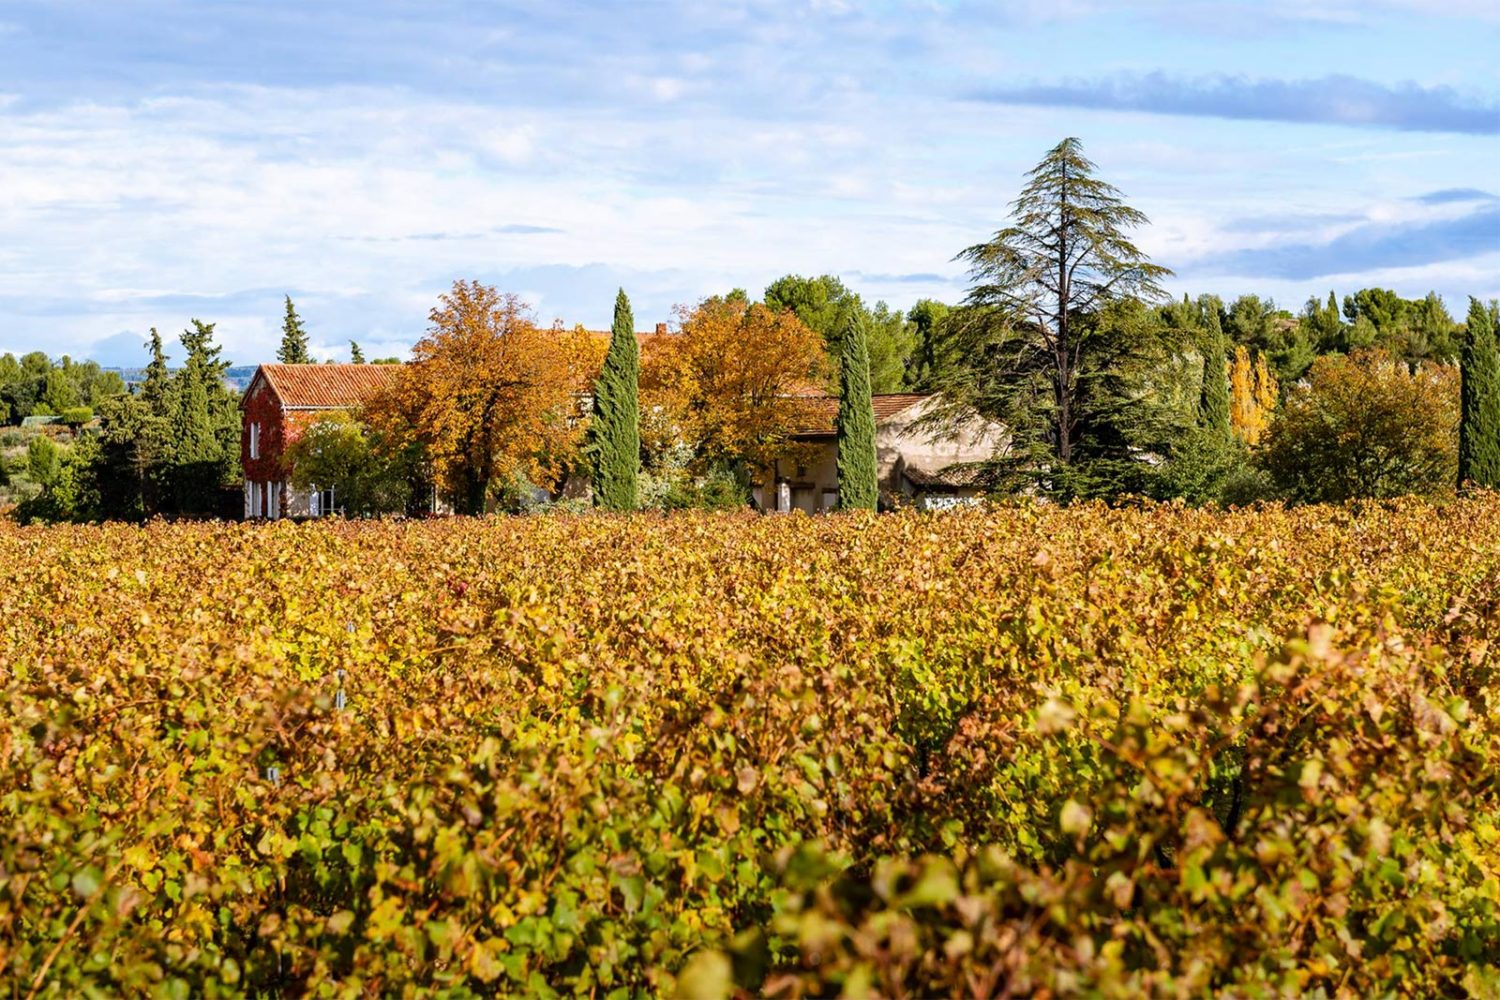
1020, 751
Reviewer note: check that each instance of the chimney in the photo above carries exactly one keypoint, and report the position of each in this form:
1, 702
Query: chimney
661, 328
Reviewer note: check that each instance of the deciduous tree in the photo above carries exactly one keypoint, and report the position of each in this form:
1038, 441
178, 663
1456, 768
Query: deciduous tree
489, 395
1253, 394
368, 476
824, 304
1366, 426
735, 383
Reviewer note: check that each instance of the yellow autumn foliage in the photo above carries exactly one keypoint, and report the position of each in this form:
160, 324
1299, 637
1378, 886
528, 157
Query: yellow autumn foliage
1253, 395
1156, 751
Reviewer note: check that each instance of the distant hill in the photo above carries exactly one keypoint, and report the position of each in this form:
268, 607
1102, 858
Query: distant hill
236, 378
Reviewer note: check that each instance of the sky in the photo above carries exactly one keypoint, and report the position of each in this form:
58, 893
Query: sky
178, 159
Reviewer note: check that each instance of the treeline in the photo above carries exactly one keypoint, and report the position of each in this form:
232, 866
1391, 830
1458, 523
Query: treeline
35, 386
1106, 389
1211, 401
169, 448
923, 349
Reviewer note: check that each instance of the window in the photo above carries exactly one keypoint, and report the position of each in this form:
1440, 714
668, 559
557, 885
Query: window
320, 502
255, 440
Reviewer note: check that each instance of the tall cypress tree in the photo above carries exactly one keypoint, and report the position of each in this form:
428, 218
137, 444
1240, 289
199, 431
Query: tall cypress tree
858, 486
293, 350
1479, 429
615, 432
1213, 404
356, 356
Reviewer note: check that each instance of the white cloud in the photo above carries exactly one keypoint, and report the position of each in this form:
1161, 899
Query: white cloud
709, 146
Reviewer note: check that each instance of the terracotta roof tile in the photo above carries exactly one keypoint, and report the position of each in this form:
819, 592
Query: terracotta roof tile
326, 386
887, 405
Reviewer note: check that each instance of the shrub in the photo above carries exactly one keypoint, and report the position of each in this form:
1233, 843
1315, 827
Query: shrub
43, 460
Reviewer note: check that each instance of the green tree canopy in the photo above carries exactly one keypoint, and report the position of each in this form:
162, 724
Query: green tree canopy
928, 359
857, 463
293, 349
614, 433
156, 387
824, 303
368, 477
1065, 257
204, 426
1479, 427
36, 385
1266, 329
1365, 426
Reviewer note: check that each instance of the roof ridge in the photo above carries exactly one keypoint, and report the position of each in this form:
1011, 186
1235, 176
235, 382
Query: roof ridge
324, 386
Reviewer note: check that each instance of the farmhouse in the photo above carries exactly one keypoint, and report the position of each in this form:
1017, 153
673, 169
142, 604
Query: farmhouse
920, 460
279, 403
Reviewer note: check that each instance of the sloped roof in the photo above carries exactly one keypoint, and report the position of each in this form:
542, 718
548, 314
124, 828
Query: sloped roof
954, 476
887, 405
325, 386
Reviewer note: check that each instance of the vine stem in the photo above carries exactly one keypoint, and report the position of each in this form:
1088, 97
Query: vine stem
83, 911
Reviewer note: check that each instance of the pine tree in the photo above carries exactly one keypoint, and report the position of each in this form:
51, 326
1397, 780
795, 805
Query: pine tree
1065, 256
1213, 405
1479, 426
155, 387
356, 356
615, 431
858, 486
293, 350
204, 425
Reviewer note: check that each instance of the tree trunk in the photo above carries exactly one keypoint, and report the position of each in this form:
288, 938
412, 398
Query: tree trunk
1064, 381
1064, 406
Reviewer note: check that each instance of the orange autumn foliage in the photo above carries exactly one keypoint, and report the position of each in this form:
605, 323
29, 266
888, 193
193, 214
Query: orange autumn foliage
489, 394
735, 384
1253, 394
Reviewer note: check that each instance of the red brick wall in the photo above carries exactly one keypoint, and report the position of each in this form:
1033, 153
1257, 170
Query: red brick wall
262, 406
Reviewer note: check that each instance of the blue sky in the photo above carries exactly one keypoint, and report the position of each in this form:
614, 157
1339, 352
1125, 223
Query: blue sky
166, 160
